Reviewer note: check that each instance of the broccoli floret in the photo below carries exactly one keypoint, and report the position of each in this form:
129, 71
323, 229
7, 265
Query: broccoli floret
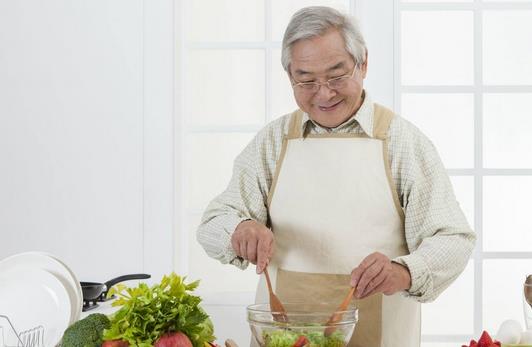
99, 321
87, 332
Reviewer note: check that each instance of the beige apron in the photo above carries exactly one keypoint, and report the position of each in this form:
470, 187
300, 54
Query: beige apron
332, 203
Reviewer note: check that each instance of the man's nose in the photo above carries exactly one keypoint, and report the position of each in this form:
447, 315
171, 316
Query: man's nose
325, 93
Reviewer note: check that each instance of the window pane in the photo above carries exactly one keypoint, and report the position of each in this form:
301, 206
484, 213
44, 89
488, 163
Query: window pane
439, 54
282, 101
447, 119
507, 129
464, 189
209, 162
507, 224
503, 291
225, 20
440, 316
507, 0
215, 276
507, 51
282, 11
440, 1
225, 87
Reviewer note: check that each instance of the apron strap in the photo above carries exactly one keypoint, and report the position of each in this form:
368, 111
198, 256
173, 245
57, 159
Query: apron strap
382, 118
294, 127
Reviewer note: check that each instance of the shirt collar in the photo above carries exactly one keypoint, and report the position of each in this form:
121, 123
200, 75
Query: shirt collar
363, 117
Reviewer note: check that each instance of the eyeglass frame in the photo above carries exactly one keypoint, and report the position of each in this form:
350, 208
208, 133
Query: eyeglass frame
346, 77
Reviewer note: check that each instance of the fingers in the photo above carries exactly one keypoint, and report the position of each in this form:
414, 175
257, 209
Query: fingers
388, 286
243, 249
252, 252
254, 242
272, 249
247, 250
381, 288
369, 277
370, 274
264, 253
357, 273
378, 274
235, 243
374, 284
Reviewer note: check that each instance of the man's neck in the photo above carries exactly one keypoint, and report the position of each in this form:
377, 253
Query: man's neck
351, 114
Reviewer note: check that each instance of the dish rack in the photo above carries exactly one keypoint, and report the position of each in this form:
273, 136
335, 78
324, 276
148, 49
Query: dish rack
28, 338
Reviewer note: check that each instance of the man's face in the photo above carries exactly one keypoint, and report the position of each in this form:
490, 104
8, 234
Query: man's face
320, 59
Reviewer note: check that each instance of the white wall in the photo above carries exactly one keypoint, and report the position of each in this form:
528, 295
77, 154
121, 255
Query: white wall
86, 134
89, 142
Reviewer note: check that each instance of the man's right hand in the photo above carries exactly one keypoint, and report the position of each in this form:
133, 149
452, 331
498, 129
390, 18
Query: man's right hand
253, 241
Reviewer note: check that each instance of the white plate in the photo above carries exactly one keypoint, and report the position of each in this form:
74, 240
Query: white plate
50, 263
78, 307
33, 298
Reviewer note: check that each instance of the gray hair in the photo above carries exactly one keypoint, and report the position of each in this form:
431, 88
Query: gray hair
314, 21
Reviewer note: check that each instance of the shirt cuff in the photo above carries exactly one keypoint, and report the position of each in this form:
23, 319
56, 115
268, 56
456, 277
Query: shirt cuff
420, 276
229, 253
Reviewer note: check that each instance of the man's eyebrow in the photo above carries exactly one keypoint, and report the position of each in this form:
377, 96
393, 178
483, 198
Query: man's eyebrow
337, 66
332, 68
302, 72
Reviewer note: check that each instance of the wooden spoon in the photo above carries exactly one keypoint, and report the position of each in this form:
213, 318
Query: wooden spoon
528, 290
230, 343
275, 304
337, 315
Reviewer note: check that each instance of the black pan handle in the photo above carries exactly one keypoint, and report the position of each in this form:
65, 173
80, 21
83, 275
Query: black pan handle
114, 281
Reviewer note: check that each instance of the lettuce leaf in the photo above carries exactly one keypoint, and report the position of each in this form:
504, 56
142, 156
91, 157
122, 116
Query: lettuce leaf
287, 338
149, 312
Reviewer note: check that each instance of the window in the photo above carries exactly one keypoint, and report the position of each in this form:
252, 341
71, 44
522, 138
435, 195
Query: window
463, 75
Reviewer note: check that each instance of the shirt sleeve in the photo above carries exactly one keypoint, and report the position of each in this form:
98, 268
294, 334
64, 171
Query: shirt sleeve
245, 198
439, 239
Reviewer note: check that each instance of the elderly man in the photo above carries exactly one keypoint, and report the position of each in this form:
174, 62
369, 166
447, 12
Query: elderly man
341, 193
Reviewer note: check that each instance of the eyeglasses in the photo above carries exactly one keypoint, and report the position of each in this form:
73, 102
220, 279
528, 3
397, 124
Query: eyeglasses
336, 83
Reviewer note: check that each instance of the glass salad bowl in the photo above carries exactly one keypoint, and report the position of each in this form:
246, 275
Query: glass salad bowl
306, 326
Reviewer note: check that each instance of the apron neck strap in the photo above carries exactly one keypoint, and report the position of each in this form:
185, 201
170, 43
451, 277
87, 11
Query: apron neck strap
295, 126
382, 118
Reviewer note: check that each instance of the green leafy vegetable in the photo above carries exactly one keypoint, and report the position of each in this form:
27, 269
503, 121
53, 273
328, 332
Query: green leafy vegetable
287, 338
149, 312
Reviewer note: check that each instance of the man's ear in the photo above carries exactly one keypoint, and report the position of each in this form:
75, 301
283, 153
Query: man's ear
289, 76
364, 66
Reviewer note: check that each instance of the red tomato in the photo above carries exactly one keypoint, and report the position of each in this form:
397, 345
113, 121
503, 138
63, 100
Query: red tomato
301, 341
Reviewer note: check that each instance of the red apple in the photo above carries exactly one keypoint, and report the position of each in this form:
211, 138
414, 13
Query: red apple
176, 339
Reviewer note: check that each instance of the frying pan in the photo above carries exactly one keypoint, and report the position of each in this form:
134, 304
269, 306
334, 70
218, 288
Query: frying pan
93, 291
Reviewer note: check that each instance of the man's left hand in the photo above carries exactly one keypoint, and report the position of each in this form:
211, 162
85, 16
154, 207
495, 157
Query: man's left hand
378, 274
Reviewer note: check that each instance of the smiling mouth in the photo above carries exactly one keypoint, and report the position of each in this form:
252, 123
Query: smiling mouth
329, 108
